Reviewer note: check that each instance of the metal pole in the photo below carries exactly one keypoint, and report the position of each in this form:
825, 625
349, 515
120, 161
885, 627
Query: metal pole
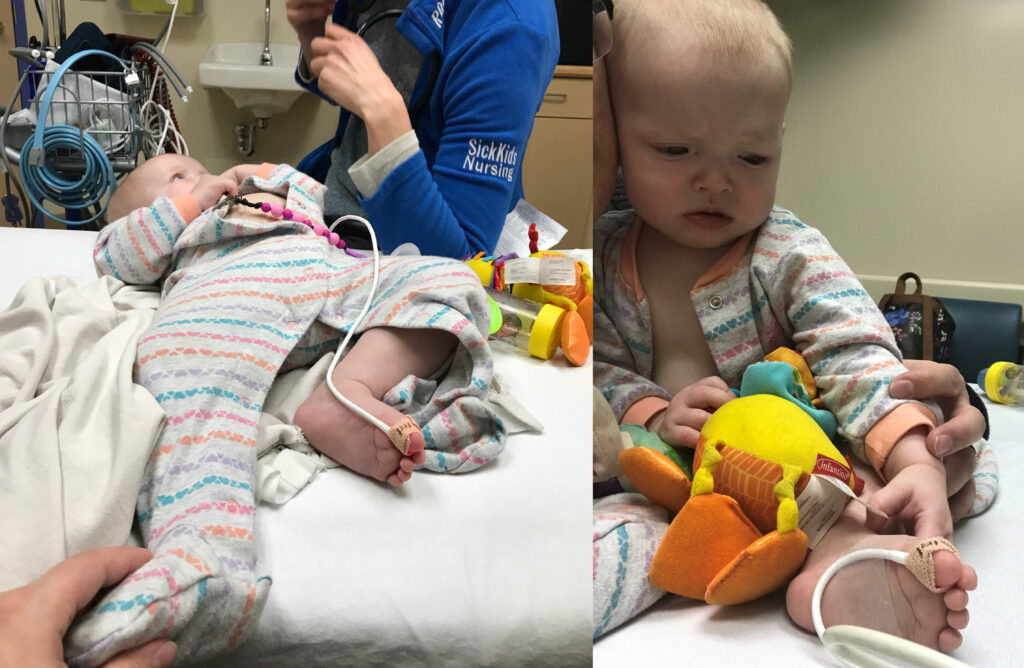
59, 22
21, 39
61, 19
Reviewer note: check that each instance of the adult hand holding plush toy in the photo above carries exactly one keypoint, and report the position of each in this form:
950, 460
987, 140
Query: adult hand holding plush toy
680, 423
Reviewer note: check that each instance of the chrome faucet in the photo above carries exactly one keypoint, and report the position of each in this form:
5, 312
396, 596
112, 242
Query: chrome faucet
265, 57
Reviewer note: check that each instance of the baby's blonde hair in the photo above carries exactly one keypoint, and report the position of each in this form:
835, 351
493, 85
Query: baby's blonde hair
738, 30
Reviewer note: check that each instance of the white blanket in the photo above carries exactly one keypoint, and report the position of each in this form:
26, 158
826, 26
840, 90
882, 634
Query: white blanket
70, 461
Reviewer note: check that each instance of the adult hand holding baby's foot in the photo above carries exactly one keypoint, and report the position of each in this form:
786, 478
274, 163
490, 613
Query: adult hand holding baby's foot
34, 618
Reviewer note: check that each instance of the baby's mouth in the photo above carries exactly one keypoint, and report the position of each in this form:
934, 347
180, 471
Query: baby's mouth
708, 218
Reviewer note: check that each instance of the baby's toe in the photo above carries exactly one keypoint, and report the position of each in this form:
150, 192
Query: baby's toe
949, 640
968, 579
948, 568
955, 599
406, 464
958, 619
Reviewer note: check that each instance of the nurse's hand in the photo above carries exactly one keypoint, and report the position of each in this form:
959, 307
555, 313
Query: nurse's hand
308, 17
350, 74
963, 425
34, 618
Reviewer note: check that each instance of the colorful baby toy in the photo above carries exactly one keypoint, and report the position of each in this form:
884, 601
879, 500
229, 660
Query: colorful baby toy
735, 536
525, 278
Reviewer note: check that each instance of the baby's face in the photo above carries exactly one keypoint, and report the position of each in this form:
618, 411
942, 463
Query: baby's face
169, 175
700, 148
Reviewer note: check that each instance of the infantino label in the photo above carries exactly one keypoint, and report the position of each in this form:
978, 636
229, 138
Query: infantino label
493, 158
438, 14
828, 466
821, 503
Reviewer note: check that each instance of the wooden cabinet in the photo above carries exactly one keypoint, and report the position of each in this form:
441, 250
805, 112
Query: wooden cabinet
558, 165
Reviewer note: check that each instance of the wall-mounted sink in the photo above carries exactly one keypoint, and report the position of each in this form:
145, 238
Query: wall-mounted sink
263, 89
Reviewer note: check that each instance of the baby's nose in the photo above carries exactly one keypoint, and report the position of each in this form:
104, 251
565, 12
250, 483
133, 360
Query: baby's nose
712, 179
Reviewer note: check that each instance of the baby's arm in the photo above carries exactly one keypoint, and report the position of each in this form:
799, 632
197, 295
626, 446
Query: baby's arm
841, 334
138, 247
916, 492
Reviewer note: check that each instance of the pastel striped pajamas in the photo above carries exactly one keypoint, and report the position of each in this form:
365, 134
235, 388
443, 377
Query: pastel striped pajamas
241, 302
785, 286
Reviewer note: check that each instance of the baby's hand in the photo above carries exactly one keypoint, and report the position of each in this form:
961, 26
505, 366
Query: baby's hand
681, 422
241, 172
209, 189
916, 493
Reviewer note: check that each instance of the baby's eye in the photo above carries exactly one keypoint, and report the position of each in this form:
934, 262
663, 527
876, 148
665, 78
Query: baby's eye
754, 159
177, 177
673, 150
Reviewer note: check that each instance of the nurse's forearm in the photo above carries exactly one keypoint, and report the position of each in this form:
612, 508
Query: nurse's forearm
386, 119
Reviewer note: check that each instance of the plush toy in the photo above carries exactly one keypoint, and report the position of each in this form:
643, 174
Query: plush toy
735, 535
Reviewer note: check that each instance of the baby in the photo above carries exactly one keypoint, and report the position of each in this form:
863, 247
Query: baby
699, 90
247, 294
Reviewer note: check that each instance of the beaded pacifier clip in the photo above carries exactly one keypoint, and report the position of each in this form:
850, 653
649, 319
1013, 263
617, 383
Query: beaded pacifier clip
279, 211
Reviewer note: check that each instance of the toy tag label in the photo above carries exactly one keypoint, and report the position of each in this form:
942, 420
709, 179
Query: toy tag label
820, 505
542, 270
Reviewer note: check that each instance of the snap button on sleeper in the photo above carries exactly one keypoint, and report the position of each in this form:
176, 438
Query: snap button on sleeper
715, 302
292, 324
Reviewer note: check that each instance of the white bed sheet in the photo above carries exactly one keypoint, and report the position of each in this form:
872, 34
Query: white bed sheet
680, 630
486, 568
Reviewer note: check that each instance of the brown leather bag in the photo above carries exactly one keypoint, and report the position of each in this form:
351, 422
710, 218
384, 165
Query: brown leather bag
922, 326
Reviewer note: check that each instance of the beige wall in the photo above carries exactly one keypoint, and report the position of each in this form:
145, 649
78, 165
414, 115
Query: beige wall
905, 139
209, 118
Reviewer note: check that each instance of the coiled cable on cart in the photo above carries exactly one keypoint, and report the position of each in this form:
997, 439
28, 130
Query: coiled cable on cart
45, 184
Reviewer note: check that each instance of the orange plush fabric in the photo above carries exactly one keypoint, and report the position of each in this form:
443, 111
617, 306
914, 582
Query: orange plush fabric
751, 481
575, 340
763, 567
707, 534
656, 477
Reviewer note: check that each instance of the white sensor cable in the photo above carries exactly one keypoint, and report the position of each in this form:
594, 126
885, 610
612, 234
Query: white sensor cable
860, 647
355, 325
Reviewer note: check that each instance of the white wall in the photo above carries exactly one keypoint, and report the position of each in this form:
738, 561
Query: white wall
905, 139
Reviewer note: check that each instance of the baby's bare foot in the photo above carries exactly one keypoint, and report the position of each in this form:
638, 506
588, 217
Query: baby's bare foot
885, 596
348, 439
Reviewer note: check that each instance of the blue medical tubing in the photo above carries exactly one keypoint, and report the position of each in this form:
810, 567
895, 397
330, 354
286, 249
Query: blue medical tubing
98, 177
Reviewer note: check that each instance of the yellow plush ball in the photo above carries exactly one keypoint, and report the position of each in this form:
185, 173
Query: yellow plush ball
773, 429
759, 438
